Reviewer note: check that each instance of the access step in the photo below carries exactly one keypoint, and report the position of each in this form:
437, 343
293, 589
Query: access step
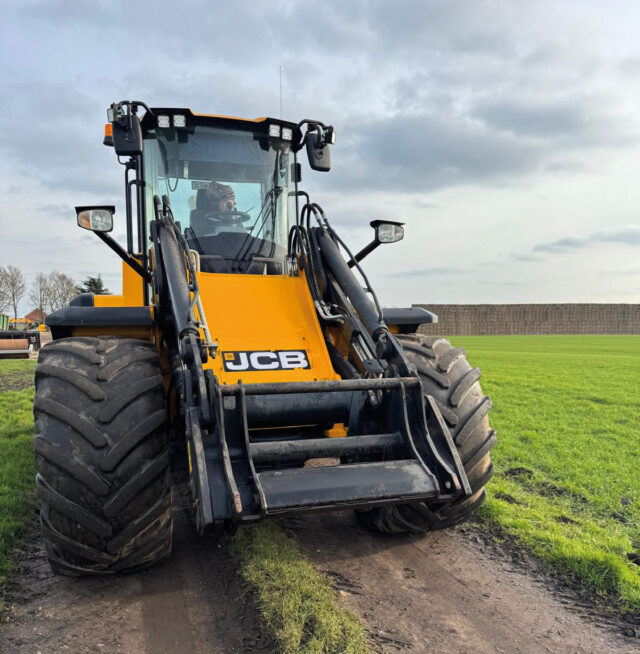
300, 489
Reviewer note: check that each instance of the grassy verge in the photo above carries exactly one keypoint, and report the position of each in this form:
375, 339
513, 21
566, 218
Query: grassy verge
298, 604
567, 484
17, 472
16, 374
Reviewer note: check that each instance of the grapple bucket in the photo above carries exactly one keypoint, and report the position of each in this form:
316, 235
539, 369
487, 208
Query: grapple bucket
256, 463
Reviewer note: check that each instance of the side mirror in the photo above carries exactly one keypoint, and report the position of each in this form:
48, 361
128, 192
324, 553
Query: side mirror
318, 139
319, 155
386, 231
126, 132
97, 219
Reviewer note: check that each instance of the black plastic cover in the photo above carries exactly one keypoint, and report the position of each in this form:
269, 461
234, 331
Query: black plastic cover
63, 320
82, 300
408, 316
127, 138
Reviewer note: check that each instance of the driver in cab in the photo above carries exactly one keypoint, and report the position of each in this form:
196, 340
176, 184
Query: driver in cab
216, 211
220, 197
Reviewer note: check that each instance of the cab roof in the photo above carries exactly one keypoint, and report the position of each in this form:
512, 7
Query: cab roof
192, 118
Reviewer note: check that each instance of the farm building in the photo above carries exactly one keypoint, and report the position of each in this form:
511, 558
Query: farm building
37, 315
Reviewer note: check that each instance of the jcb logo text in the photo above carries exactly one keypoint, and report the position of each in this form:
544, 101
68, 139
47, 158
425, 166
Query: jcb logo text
265, 360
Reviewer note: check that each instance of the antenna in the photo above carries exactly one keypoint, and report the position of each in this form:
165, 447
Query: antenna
280, 91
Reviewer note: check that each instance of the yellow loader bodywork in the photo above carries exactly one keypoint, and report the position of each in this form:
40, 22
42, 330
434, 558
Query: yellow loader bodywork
132, 295
263, 314
246, 313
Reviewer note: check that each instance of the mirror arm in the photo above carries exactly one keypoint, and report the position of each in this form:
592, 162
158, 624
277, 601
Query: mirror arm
124, 255
367, 249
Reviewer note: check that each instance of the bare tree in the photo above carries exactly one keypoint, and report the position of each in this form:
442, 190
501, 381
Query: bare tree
5, 300
39, 294
12, 288
61, 290
52, 291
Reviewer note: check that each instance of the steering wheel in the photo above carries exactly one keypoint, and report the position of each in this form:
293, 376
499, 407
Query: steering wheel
232, 217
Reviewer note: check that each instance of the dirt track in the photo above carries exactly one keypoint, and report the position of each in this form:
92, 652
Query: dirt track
440, 593
192, 603
447, 592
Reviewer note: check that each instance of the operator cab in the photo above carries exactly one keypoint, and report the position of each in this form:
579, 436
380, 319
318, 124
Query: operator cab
228, 183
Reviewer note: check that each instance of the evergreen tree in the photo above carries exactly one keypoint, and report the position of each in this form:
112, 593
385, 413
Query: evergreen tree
94, 285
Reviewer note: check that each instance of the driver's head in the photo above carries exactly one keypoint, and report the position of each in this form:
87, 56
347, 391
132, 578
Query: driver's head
221, 197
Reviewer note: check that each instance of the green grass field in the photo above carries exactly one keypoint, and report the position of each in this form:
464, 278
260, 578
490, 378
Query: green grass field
17, 470
567, 412
16, 374
567, 484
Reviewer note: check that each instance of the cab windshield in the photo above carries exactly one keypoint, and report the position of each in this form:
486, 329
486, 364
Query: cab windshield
228, 189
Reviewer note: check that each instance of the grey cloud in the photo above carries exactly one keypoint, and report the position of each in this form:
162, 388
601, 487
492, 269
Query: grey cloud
429, 272
425, 204
563, 244
430, 25
566, 166
630, 67
525, 257
234, 32
411, 153
56, 210
428, 144
527, 118
60, 149
622, 272
426, 95
495, 282
627, 235
574, 121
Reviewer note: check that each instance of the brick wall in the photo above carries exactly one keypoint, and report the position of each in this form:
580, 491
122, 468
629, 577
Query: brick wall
534, 319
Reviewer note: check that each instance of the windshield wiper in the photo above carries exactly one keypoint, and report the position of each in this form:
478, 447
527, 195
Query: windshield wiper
240, 256
191, 235
268, 209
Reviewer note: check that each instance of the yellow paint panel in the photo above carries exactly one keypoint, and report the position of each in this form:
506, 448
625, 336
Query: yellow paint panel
244, 120
131, 291
263, 313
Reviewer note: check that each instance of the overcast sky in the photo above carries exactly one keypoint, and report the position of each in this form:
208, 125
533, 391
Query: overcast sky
505, 134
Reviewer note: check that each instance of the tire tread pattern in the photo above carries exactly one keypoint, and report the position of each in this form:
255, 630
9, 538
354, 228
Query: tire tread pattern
103, 455
453, 383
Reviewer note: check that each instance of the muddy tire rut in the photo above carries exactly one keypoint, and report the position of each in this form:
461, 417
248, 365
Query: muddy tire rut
194, 602
441, 592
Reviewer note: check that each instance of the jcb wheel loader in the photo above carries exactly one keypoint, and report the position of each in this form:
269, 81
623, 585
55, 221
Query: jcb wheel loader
244, 345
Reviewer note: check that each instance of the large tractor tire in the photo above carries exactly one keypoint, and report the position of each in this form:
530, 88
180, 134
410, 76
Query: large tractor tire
446, 376
102, 455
